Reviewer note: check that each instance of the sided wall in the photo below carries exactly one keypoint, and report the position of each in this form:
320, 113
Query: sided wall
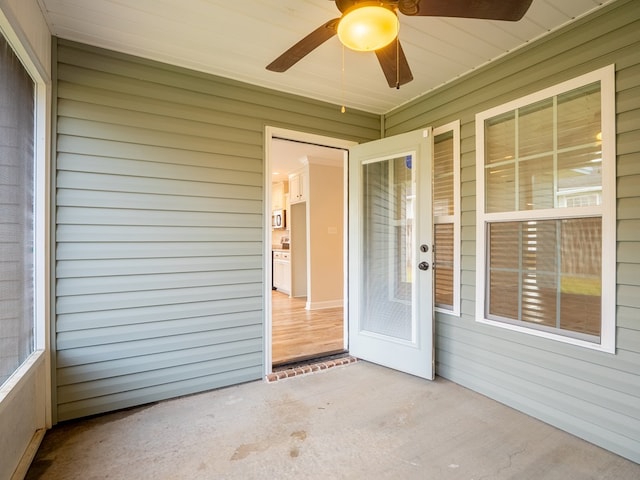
160, 226
590, 394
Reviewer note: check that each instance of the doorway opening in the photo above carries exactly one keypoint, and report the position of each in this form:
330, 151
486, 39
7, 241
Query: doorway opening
306, 247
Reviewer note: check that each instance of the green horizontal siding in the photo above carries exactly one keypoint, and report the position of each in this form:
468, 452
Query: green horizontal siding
169, 387
591, 394
73, 322
159, 226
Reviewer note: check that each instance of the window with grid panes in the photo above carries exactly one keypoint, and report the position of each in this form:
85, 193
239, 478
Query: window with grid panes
446, 167
546, 213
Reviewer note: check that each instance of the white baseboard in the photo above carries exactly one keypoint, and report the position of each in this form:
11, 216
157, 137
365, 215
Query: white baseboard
29, 455
325, 304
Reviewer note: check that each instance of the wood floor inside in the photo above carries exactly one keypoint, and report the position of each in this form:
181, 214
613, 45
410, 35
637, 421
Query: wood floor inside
300, 334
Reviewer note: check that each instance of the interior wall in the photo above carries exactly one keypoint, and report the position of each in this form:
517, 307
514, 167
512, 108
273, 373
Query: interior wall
591, 394
326, 235
299, 249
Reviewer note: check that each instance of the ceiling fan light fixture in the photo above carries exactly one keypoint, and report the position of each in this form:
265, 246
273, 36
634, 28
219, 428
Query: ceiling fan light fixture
366, 28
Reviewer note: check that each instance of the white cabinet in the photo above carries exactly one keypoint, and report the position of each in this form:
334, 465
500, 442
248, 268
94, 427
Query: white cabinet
282, 271
278, 191
298, 186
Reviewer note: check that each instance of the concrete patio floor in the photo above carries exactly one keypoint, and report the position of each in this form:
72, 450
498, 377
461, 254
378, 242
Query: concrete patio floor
359, 421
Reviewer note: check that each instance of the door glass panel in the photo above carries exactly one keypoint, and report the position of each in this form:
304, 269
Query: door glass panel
388, 246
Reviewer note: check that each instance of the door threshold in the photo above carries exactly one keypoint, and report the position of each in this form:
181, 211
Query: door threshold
307, 359
310, 366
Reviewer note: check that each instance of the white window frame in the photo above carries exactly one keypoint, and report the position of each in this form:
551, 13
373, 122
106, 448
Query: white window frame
455, 218
607, 211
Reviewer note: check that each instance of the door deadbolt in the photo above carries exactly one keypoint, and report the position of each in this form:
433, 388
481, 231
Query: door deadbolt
423, 266
424, 248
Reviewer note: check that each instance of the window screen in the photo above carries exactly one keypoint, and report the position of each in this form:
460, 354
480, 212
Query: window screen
17, 112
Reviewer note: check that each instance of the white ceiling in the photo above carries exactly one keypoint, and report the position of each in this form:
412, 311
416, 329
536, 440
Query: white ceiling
287, 156
237, 39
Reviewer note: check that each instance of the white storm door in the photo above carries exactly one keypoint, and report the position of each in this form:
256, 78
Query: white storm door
391, 252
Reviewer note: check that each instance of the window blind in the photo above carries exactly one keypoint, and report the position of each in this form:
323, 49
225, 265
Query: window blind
443, 175
547, 273
443, 211
443, 256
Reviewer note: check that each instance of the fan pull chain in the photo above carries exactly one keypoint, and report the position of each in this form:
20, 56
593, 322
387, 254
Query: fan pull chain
343, 109
398, 57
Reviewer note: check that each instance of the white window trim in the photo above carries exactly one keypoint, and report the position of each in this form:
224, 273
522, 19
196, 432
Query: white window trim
455, 218
606, 77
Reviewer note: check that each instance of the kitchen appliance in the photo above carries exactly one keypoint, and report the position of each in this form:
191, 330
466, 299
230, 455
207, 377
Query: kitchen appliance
278, 220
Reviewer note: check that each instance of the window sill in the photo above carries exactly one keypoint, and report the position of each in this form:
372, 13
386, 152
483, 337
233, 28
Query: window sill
20, 376
604, 345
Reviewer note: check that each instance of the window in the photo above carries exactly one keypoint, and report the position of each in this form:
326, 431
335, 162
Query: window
17, 134
446, 217
546, 213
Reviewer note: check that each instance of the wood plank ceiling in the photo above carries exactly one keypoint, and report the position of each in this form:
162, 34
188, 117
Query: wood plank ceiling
237, 39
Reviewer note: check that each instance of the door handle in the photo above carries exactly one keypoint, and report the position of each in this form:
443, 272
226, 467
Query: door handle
423, 266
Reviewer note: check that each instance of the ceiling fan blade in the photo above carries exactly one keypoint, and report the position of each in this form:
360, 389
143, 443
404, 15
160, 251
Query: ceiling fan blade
394, 64
511, 10
304, 46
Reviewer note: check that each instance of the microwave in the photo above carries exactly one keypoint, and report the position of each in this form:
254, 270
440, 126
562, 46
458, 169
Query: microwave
278, 220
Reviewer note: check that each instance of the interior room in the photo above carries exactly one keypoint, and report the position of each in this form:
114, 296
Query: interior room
472, 248
307, 243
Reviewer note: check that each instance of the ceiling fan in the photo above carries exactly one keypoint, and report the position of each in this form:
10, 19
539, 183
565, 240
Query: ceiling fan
391, 57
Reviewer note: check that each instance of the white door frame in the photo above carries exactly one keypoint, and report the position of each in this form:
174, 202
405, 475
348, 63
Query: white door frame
282, 133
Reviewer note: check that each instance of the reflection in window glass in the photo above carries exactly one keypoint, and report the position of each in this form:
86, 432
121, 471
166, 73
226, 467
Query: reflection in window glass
535, 129
535, 183
579, 117
500, 139
559, 154
547, 274
500, 181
